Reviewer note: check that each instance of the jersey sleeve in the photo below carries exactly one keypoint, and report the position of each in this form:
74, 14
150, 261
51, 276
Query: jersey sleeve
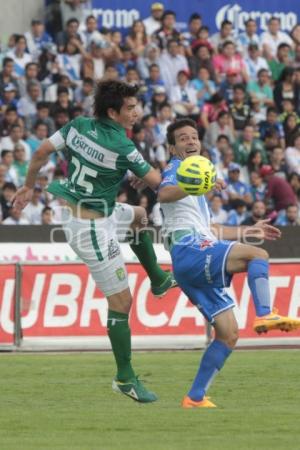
169, 175
137, 164
59, 138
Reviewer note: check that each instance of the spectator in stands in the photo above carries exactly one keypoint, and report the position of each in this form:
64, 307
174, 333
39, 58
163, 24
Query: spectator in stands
278, 162
147, 60
278, 64
8, 191
61, 117
6, 75
164, 118
292, 156
158, 98
257, 186
15, 217
183, 96
289, 217
194, 26
236, 189
9, 119
40, 132
126, 61
63, 101
261, 89
204, 87
254, 62
226, 87
239, 109
70, 60
137, 38
246, 144
152, 82
279, 193
258, 212
221, 126
8, 98
229, 59
238, 214
71, 32
48, 65
212, 108
47, 216
83, 96
167, 31
153, 22
226, 34
156, 156
291, 126
272, 124
217, 212
294, 180
271, 39
248, 38
31, 74
170, 63
201, 57
36, 38
254, 162
20, 164
3, 172
7, 160
14, 138
51, 92
91, 33
32, 212
19, 56
43, 115
27, 106
285, 89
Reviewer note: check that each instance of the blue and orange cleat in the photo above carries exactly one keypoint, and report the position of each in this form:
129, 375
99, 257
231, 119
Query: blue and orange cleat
275, 321
187, 402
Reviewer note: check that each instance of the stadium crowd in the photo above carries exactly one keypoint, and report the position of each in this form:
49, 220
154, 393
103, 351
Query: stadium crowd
242, 90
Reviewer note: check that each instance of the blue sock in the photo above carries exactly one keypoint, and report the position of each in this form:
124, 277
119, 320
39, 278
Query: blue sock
211, 362
258, 280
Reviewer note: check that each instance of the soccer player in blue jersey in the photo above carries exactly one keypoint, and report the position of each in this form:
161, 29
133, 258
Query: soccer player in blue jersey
205, 257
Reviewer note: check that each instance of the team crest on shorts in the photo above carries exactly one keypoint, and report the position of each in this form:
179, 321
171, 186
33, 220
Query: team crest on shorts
121, 274
206, 243
113, 249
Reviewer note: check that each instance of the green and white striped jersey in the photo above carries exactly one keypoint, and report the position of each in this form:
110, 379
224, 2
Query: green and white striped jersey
99, 155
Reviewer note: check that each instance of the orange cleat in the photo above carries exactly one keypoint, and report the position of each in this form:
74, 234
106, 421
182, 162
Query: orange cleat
274, 321
187, 402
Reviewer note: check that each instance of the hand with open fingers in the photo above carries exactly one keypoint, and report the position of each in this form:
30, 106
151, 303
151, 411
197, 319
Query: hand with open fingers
220, 185
22, 197
269, 232
137, 183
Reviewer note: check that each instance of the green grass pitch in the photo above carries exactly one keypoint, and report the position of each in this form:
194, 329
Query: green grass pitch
65, 402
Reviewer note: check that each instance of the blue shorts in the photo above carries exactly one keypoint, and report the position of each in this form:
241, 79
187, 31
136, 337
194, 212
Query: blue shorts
200, 269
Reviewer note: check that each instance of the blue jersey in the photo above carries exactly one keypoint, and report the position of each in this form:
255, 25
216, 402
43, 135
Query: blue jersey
191, 212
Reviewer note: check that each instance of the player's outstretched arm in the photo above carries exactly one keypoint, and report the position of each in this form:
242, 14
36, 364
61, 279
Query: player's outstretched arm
39, 159
170, 194
261, 230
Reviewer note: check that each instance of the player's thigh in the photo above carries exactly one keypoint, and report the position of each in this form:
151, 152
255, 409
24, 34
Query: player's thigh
210, 301
226, 328
124, 216
96, 243
240, 255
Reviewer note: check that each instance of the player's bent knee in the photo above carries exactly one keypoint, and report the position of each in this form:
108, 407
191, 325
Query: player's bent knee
140, 217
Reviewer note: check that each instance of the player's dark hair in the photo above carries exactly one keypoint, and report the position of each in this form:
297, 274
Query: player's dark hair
111, 94
180, 123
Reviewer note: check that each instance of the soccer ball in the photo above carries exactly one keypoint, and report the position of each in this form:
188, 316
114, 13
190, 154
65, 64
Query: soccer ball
196, 175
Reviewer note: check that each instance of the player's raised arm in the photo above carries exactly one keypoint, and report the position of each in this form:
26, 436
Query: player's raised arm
39, 159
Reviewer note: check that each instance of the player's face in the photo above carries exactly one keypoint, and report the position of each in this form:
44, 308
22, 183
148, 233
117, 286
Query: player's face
128, 114
187, 142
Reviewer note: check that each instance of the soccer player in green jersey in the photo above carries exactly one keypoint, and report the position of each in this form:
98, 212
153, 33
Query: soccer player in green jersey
99, 155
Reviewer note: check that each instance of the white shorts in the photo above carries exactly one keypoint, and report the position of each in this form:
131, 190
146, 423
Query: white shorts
96, 243
123, 216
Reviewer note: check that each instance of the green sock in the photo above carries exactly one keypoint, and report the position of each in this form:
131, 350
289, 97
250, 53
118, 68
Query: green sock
120, 338
145, 252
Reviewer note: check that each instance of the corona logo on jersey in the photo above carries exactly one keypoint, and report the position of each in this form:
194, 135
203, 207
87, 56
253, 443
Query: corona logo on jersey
196, 175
